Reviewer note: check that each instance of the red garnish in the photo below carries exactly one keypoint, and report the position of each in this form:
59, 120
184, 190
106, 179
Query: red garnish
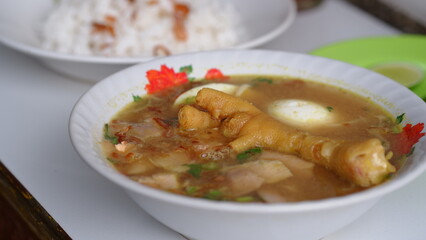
215, 74
110, 19
165, 78
181, 12
103, 28
405, 140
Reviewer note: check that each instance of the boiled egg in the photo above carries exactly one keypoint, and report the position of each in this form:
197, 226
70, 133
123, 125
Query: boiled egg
300, 113
189, 96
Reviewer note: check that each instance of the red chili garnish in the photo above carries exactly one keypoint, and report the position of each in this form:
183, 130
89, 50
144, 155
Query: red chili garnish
405, 140
215, 74
165, 78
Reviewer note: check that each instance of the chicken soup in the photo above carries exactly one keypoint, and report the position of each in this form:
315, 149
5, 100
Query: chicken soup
255, 138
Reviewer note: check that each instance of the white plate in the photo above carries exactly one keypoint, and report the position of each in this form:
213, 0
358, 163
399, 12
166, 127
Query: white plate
21, 21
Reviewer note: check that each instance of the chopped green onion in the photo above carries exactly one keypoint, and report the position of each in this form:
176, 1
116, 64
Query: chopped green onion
399, 162
112, 139
194, 169
186, 69
388, 176
213, 194
210, 166
189, 100
396, 129
399, 118
191, 189
136, 98
111, 160
241, 157
245, 199
411, 152
329, 108
263, 80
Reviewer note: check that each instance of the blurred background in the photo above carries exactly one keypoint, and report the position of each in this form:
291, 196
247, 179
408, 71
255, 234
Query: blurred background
408, 15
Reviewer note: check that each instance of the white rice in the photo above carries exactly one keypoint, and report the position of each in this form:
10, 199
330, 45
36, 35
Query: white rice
139, 27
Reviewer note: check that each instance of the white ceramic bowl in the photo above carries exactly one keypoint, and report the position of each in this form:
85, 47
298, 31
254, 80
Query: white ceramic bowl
21, 21
204, 219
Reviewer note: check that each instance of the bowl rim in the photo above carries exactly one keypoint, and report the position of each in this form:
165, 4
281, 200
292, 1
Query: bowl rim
371, 194
40, 52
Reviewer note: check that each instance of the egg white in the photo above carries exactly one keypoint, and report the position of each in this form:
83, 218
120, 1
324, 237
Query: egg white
189, 95
300, 113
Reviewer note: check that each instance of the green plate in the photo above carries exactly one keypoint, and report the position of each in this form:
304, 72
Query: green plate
368, 52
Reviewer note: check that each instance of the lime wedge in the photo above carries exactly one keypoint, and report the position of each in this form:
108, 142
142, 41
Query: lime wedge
404, 73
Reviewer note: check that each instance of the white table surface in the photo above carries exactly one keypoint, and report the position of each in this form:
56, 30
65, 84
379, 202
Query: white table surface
35, 105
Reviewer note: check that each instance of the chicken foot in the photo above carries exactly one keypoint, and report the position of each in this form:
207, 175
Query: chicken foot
361, 162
